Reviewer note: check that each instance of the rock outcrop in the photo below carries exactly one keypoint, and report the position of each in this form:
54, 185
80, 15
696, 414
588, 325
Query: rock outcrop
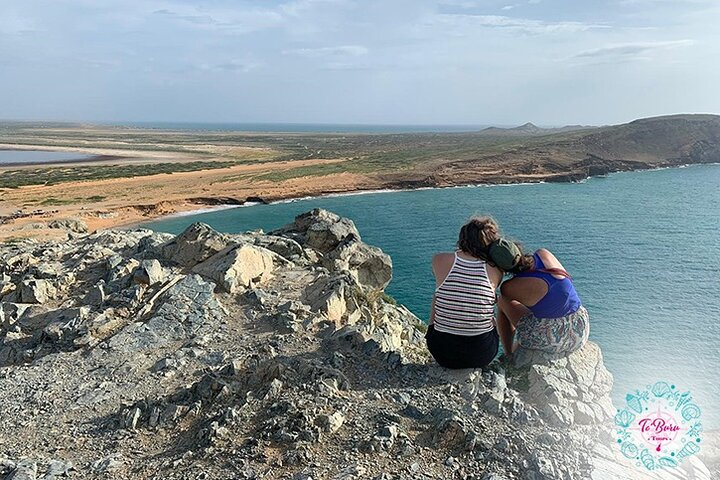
238, 266
266, 356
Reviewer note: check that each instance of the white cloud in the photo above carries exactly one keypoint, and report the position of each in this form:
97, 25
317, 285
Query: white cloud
342, 50
636, 49
14, 24
224, 20
666, 2
235, 66
515, 23
301, 7
455, 61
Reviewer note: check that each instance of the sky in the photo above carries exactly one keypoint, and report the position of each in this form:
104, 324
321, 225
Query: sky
471, 62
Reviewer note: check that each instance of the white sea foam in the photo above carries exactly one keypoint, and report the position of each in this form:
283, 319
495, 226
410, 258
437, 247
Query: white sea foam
400, 190
198, 211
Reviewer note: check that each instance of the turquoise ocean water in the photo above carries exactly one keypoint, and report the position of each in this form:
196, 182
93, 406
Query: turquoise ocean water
643, 249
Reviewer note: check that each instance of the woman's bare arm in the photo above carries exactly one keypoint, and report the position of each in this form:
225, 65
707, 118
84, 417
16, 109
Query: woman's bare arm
549, 259
432, 311
440, 267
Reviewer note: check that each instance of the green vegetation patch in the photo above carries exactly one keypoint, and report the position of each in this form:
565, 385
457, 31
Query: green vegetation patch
53, 176
307, 171
58, 201
66, 201
389, 299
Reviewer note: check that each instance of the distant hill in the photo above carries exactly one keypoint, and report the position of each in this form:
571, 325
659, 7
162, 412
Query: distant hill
574, 153
530, 129
668, 139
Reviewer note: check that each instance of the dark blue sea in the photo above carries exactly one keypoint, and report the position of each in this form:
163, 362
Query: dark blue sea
642, 247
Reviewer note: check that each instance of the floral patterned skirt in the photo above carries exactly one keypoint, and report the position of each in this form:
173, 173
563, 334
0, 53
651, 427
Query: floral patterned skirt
555, 335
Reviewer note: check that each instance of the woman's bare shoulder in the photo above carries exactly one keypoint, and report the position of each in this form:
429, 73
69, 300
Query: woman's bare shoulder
548, 258
544, 253
441, 265
494, 274
442, 259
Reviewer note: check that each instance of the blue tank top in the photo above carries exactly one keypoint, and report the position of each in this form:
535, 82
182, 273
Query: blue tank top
561, 298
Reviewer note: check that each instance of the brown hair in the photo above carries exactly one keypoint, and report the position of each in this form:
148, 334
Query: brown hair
477, 235
527, 262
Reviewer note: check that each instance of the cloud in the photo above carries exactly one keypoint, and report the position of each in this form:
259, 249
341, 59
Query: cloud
344, 66
474, 4
300, 7
231, 66
412, 61
14, 24
342, 50
665, 2
196, 19
514, 23
633, 49
236, 66
227, 20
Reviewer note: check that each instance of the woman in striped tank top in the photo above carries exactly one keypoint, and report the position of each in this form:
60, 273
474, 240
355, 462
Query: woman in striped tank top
461, 332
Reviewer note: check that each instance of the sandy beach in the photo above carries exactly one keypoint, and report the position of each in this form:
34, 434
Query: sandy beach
129, 201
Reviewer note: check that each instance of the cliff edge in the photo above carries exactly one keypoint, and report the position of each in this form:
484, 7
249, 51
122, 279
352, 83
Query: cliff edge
134, 354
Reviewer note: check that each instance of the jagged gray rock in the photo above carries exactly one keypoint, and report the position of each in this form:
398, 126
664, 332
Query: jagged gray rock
96, 295
184, 308
57, 468
36, 291
568, 389
149, 272
320, 230
285, 247
196, 244
24, 471
71, 224
238, 267
368, 265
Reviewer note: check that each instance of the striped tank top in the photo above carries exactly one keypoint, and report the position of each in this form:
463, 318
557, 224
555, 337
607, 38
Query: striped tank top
465, 300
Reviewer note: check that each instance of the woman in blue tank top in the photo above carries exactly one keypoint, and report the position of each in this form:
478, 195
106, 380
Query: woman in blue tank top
540, 307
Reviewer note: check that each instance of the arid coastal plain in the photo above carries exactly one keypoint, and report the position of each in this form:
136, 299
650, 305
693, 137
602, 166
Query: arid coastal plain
135, 174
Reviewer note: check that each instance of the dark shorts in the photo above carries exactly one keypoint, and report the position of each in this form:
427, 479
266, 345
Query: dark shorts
458, 351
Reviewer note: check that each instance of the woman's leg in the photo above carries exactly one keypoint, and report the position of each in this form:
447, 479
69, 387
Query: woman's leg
505, 332
511, 311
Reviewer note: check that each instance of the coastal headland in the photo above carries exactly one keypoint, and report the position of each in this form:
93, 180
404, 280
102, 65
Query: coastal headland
135, 354
138, 174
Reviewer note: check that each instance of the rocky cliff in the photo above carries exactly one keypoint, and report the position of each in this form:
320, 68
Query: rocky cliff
133, 354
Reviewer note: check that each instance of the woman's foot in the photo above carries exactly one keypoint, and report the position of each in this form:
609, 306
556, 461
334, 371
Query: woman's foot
505, 358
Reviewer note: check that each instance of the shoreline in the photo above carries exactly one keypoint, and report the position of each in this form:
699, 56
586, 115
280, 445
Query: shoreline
277, 168
209, 209
166, 200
